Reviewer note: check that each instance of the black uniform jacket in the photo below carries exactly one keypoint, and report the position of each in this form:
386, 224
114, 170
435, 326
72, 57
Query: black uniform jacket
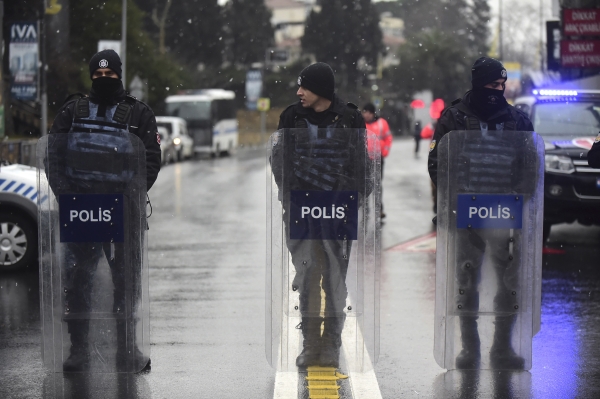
455, 118
594, 154
330, 117
142, 123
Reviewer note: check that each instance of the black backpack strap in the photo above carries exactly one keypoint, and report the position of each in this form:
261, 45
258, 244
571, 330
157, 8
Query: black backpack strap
124, 110
82, 108
510, 125
347, 119
300, 123
471, 121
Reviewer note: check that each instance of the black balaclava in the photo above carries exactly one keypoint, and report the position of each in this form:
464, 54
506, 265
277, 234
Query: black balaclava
106, 89
485, 101
319, 79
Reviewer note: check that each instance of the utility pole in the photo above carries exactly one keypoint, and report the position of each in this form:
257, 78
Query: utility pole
542, 35
43, 66
500, 30
2, 133
124, 43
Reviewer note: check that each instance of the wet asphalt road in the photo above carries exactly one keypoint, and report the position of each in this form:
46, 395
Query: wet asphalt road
207, 282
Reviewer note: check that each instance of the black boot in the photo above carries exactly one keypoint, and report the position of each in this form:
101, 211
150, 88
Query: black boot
311, 345
128, 356
470, 355
331, 341
79, 357
502, 354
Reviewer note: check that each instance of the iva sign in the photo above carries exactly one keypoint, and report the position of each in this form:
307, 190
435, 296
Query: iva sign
23, 60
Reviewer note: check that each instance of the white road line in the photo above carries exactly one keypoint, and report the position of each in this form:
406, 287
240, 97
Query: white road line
286, 382
286, 385
364, 384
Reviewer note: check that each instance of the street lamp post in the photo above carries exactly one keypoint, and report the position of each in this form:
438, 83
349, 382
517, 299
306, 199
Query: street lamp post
500, 29
124, 42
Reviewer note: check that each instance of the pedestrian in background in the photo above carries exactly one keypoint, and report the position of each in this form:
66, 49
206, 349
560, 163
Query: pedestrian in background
417, 136
381, 129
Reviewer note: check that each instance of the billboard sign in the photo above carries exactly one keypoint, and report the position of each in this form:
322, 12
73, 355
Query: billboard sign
254, 83
581, 22
580, 53
23, 61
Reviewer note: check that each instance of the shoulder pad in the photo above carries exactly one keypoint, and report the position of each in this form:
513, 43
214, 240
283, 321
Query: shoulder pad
289, 106
519, 112
72, 97
129, 99
456, 101
351, 105
82, 108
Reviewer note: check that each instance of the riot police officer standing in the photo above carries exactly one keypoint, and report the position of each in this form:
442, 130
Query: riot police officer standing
484, 109
109, 113
320, 264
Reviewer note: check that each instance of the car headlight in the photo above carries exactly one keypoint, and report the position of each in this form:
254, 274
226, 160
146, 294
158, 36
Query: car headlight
559, 164
176, 141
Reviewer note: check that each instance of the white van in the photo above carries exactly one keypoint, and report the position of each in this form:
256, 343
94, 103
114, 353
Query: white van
177, 129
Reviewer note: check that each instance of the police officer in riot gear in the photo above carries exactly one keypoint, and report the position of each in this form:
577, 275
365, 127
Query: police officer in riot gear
320, 264
108, 110
484, 108
594, 154
107, 93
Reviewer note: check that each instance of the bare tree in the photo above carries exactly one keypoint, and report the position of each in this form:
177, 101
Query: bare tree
521, 32
161, 23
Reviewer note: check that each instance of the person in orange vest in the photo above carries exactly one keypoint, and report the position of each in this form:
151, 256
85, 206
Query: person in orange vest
381, 129
427, 134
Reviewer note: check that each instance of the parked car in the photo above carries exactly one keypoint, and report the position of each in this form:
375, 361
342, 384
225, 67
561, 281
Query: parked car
568, 121
167, 149
177, 128
18, 217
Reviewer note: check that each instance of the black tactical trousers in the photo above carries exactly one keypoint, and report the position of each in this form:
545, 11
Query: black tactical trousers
321, 267
81, 264
79, 279
504, 254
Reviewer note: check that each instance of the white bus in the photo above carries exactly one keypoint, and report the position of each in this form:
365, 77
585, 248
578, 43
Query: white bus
211, 119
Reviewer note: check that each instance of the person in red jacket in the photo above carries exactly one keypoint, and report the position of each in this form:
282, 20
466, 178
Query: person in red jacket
381, 129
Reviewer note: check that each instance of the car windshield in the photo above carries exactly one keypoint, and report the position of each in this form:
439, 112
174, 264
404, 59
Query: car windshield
190, 110
567, 119
166, 125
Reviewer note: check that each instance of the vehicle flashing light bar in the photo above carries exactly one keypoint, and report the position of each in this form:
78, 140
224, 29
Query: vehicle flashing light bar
556, 92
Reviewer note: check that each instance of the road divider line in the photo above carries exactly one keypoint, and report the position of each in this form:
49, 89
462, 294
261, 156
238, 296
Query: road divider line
363, 383
286, 385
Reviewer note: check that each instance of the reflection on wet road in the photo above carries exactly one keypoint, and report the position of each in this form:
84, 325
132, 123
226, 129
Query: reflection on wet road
207, 300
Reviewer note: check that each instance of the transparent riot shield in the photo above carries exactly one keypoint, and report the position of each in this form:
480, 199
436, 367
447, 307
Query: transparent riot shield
323, 249
93, 258
489, 246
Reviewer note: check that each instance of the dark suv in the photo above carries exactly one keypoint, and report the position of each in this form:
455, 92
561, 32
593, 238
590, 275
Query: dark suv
568, 121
